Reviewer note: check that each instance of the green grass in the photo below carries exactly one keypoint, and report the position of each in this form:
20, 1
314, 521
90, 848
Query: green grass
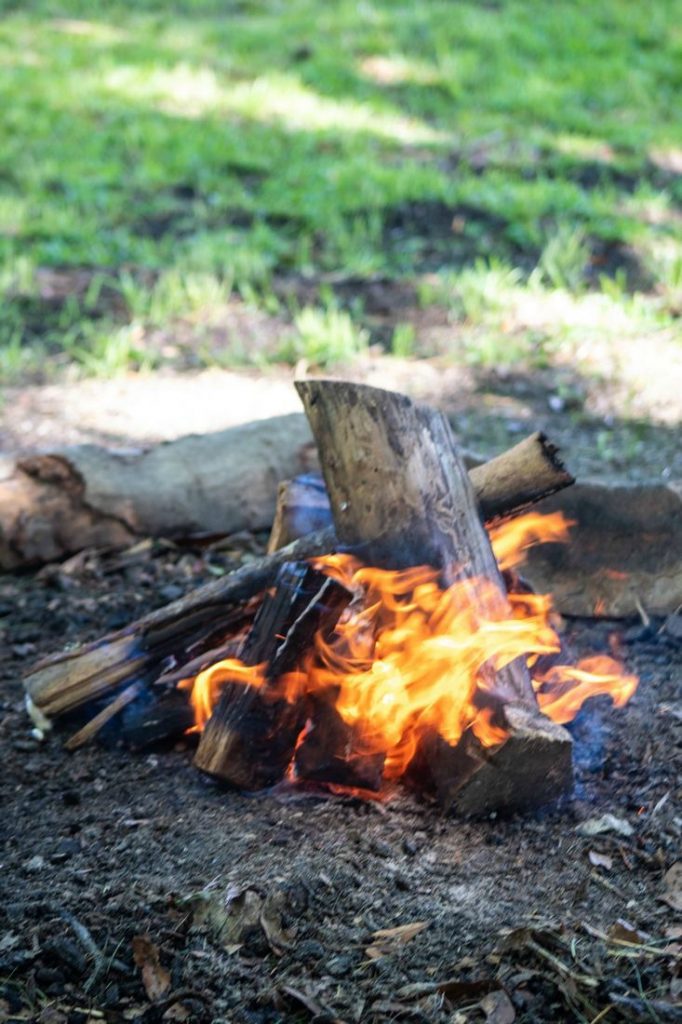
184, 152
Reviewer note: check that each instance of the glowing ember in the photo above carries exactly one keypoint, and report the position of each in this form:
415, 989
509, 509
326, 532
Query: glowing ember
409, 656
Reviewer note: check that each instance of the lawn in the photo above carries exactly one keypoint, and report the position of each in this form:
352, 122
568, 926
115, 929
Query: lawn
519, 165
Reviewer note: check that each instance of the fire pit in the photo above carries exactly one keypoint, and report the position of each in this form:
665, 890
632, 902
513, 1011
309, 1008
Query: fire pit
401, 645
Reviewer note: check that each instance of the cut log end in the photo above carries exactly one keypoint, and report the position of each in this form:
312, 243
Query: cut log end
532, 770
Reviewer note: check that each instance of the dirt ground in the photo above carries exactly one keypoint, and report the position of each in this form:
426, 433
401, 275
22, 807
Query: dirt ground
134, 890
613, 408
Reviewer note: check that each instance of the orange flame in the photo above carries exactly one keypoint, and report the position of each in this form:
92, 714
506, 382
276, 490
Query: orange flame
412, 656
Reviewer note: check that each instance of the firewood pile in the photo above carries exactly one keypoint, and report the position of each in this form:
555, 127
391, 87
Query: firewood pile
262, 660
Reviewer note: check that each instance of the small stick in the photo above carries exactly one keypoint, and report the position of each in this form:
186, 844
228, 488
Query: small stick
91, 728
89, 945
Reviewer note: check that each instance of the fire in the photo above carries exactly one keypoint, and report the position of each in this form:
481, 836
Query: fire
411, 657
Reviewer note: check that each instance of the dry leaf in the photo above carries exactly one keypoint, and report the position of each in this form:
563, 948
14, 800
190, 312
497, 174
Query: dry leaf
623, 931
498, 1008
672, 880
600, 860
271, 920
155, 978
312, 1006
607, 823
227, 915
456, 991
177, 1012
388, 940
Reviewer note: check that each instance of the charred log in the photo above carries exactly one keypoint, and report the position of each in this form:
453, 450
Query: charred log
250, 738
330, 751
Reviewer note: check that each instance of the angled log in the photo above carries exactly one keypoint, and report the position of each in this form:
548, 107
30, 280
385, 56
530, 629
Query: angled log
250, 738
400, 496
177, 633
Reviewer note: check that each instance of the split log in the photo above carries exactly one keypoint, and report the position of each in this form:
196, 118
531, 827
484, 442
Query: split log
401, 496
532, 769
192, 625
54, 504
251, 736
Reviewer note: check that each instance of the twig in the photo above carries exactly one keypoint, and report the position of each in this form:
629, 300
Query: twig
89, 945
607, 885
560, 966
602, 1013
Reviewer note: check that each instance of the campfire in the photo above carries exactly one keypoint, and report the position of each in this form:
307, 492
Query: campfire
397, 643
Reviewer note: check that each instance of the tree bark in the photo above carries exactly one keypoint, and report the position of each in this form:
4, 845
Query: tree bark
54, 504
401, 496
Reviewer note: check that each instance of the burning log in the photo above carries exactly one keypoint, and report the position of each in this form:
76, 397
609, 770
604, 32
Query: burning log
531, 769
401, 497
161, 643
328, 751
250, 738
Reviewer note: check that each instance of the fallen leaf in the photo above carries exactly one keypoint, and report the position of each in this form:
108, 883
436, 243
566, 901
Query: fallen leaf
600, 860
227, 915
672, 880
272, 922
155, 978
623, 931
498, 1008
177, 1012
388, 940
607, 823
312, 1006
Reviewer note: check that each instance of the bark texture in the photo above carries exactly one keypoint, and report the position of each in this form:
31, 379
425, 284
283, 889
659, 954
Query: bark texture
54, 504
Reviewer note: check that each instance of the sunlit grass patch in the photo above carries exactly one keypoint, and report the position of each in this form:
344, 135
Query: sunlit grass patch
187, 152
325, 337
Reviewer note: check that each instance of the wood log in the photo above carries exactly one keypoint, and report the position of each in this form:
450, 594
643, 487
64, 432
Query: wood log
193, 624
532, 769
506, 485
251, 736
57, 503
328, 751
401, 496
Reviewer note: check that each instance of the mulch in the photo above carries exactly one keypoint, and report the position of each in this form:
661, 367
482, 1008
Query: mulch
134, 890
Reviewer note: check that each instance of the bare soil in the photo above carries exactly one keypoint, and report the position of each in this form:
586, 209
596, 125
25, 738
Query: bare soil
104, 849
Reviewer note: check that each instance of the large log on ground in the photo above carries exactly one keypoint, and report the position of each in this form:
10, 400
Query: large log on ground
200, 620
401, 496
54, 504
625, 552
